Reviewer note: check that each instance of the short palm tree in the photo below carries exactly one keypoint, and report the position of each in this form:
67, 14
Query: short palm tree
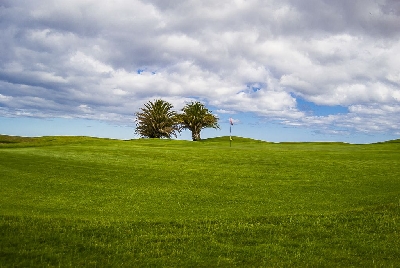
196, 117
156, 120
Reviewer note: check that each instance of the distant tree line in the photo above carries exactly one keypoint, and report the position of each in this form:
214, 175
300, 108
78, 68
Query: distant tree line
158, 120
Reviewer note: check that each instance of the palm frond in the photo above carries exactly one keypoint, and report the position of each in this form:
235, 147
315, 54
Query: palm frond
157, 120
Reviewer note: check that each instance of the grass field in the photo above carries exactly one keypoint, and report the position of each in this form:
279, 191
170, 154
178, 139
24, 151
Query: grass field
80, 201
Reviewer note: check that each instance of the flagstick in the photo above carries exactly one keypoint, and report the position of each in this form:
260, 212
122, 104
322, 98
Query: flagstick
230, 131
230, 135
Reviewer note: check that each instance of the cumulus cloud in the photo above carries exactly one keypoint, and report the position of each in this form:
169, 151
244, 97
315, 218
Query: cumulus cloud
104, 59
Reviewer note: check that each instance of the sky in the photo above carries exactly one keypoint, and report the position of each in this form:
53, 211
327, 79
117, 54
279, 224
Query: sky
284, 70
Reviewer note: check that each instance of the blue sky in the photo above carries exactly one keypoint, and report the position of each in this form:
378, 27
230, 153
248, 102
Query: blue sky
284, 70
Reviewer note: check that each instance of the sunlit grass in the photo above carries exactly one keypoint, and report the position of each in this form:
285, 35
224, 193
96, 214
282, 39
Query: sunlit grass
79, 201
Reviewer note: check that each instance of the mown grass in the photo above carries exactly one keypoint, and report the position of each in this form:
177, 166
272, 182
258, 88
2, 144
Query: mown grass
80, 201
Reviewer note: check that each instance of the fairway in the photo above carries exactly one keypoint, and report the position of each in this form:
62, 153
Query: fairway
80, 201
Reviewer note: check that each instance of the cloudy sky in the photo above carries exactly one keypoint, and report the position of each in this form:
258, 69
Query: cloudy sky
284, 70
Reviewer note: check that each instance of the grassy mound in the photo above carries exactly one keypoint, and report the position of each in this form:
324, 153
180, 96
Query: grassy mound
80, 201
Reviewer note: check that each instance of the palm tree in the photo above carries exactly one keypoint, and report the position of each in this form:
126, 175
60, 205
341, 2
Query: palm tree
156, 120
195, 117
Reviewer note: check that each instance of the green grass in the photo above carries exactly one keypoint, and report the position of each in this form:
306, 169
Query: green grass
80, 201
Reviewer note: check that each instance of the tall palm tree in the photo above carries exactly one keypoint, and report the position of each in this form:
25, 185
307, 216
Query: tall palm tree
196, 117
156, 120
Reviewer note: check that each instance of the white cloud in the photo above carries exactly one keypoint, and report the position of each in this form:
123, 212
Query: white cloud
222, 111
102, 59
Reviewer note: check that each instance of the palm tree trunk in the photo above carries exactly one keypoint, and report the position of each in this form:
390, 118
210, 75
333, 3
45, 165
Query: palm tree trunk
196, 135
